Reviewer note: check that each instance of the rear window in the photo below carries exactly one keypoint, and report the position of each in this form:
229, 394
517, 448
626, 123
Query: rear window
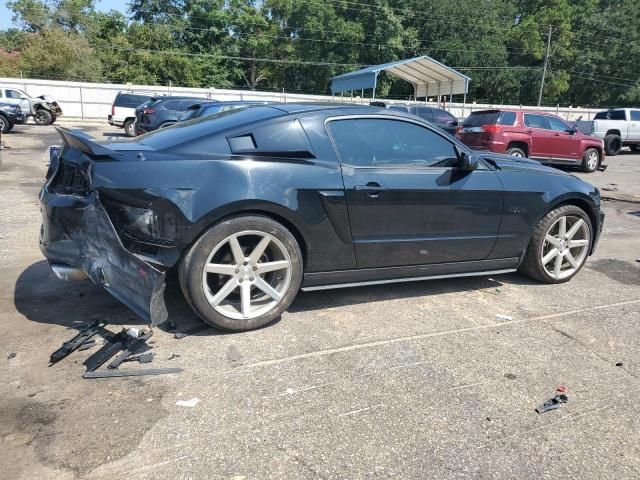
130, 100
479, 119
610, 115
205, 127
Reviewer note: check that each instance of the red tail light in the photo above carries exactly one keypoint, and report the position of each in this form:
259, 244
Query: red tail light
148, 111
491, 128
458, 130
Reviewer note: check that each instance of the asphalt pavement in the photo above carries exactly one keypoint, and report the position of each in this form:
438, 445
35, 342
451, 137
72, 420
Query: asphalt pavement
436, 379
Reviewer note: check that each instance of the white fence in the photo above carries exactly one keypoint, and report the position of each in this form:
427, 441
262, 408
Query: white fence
92, 101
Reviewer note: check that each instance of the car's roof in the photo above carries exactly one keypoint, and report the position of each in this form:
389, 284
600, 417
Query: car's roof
165, 98
310, 107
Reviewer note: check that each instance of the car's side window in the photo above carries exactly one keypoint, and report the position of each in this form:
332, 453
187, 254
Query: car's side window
635, 115
12, 94
376, 142
535, 121
558, 125
507, 118
442, 116
425, 113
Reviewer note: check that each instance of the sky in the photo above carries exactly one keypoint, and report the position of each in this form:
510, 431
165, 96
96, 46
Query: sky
102, 5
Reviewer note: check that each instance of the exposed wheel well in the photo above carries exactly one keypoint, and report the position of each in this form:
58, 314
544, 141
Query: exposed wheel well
521, 145
613, 132
273, 216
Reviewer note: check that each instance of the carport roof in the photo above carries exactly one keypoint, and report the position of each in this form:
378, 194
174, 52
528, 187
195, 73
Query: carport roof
428, 76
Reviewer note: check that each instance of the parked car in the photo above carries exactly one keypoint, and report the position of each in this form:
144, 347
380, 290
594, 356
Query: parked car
123, 110
541, 136
44, 109
437, 116
212, 107
254, 203
161, 112
10, 115
619, 127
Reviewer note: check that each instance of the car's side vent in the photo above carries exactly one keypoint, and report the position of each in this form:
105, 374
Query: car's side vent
70, 180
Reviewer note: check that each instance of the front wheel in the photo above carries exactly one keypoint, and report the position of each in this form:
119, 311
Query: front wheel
560, 245
590, 160
43, 117
242, 273
5, 124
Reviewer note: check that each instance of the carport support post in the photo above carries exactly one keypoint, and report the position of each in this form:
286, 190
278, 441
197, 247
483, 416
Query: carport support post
81, 105
438, 94
451, 96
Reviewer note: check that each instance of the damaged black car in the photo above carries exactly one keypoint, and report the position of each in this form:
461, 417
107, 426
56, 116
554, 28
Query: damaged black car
251, 205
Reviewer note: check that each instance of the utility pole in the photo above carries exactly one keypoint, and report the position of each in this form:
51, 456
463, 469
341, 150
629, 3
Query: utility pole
546, 61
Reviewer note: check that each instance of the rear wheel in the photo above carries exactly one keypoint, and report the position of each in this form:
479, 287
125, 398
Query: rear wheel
560, 245
516, 152
43, 117
590, 160
242, 273
612, 144
130, 128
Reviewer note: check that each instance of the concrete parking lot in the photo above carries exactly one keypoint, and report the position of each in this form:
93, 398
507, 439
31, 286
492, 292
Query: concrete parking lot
417, 380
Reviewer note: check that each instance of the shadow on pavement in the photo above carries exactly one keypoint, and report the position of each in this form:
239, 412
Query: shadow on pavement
41, 297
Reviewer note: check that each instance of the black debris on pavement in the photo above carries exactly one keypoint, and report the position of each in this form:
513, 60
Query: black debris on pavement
619, 364
130, 373
174, 355
11, 355
555, 402
82, 337
87, 345
146, 357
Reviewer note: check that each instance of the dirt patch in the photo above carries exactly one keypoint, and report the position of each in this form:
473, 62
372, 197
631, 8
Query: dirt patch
78, 436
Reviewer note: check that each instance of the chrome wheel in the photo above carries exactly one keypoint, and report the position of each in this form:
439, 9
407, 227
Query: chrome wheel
246, 275
592, 159
516, 154
565, 247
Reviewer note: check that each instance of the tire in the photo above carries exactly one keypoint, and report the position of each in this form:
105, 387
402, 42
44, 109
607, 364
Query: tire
590, 160
516, 152
5, 124
43, 117
218, 297
130, 128
612, 144
540, 263
635, 148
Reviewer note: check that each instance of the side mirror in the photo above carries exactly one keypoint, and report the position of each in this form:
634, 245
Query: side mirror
453, 123
469, 161
573, 130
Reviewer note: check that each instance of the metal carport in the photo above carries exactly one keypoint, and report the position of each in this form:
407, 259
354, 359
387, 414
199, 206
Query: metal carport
429, 78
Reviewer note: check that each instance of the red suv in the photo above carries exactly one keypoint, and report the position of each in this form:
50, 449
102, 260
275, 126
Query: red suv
536, 135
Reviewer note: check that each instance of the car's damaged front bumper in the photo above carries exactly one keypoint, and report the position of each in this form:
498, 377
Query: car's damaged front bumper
77, 236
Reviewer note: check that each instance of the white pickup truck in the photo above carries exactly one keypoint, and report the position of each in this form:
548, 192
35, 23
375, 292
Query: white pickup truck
618, 128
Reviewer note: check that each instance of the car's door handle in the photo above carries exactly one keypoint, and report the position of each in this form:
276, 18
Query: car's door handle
372, 189
529, 131
556, 134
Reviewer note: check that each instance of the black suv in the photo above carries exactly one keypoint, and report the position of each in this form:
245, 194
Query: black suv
160, 112
437, 116
212, 107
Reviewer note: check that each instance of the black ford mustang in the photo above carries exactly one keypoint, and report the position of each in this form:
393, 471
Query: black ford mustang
252, 204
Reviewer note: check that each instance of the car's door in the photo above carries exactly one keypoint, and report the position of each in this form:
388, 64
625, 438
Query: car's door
634, 125
564, 143
408, 203
537, 127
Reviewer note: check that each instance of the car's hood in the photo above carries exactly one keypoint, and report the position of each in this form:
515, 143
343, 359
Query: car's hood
508, 162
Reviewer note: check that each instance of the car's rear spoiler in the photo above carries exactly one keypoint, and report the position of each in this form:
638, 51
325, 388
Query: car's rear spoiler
84, 142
